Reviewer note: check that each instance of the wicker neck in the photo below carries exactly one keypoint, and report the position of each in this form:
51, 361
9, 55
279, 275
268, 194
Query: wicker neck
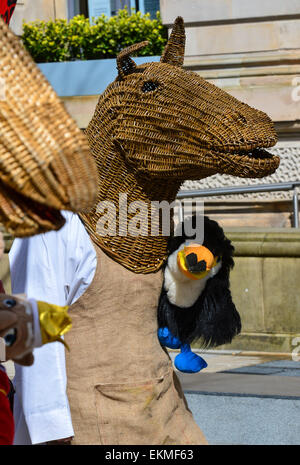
120, 186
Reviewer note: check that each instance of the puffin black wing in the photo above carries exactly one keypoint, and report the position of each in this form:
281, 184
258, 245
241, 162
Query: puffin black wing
212, 320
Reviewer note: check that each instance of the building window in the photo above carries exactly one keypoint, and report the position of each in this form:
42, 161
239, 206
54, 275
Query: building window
149, 6
95, 8
120, 5
77, 7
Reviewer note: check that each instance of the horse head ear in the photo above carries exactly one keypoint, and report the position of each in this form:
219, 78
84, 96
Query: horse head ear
125, 64
174, 50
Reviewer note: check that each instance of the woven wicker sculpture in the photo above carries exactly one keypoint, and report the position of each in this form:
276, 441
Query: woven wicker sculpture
45, 163
157, 125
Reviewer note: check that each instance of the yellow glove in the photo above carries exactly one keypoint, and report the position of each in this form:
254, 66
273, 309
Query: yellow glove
54, 322
26, 324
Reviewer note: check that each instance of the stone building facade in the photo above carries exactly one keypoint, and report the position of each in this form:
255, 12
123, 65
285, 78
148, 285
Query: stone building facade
251, 50
31, 10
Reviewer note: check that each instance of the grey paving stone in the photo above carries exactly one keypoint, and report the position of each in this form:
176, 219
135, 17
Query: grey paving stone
241, 384
255, 370
286, 364
232, 420
278, 367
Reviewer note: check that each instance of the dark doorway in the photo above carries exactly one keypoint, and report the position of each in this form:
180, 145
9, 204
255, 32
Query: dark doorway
83, 6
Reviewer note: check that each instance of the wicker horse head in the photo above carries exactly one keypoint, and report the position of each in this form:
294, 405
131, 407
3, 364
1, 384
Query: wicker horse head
157, 125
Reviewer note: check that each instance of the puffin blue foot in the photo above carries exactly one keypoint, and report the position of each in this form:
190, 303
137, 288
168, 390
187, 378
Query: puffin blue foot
167, 339
188, 362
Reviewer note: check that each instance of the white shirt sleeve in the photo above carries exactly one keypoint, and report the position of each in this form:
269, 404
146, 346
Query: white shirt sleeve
55, 267
81, 260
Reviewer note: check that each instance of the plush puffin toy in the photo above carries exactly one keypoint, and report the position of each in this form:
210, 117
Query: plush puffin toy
195, 301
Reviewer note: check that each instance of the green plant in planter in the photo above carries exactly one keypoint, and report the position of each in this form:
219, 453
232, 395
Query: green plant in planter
77, 39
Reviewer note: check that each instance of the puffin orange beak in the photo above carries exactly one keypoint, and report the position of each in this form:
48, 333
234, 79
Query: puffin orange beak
195, 261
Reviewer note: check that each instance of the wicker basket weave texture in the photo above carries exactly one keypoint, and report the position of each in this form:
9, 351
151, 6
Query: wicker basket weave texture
44, 156
156, 126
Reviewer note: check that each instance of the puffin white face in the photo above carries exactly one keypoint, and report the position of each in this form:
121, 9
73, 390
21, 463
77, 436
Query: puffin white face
187, 272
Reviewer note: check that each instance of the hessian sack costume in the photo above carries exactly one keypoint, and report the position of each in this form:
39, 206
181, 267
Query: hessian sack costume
155, 126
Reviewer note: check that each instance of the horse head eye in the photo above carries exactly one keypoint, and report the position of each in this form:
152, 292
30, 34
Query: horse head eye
150, 86
9, 302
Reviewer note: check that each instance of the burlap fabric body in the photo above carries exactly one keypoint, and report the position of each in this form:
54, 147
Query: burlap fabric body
121, 385
155, 126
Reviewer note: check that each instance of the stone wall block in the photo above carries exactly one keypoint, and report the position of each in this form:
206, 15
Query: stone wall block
247, 292
281, 282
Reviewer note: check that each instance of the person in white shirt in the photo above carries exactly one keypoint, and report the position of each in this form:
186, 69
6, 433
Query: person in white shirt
57, 267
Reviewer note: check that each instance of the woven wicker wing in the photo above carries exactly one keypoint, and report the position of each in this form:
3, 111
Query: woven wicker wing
23, 217
44, 156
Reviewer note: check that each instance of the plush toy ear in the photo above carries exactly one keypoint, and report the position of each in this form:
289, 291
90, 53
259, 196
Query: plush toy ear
218, 320
125, 64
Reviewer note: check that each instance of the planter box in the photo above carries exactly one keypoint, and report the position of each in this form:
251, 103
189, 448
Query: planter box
84, 78
79, 83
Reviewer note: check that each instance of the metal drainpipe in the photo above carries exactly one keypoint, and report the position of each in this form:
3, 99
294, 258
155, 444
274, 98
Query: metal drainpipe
296, 209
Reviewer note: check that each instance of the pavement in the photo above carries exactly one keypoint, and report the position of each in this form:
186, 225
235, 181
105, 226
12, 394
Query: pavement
243, 398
